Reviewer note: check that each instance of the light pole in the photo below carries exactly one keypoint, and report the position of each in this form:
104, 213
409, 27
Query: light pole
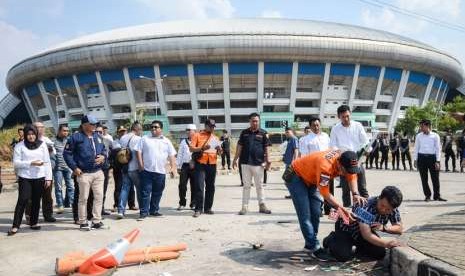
155, 82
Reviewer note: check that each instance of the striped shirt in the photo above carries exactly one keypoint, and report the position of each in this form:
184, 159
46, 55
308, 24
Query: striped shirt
370, 207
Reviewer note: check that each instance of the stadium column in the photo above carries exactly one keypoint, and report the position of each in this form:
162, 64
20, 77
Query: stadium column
79, 93
378, 89
106, 101
439, 90
193, 92
444, 95
295, 73
260, 85
399, 96
62, 98
227, 102
354, 86
32, 113
51, 112
324, 90
428, 91
132, 100
160, 91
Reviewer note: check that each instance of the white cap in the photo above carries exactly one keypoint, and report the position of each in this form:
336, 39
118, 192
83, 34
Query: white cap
191, 127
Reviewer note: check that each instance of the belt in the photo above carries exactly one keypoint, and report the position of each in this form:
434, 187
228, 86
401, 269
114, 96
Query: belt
427, 154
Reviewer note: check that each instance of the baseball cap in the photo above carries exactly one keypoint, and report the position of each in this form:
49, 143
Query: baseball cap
89, 119
210, 123
350, 162
191, 127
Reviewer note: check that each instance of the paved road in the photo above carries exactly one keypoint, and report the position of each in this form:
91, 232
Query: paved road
218, 244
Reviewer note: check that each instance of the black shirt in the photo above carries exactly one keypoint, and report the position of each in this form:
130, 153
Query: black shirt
253, 145
226, 143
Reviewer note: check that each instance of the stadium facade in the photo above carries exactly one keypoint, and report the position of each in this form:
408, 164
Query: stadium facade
185, 71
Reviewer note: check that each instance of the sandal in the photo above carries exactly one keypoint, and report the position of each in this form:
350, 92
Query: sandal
11, 232
35, 227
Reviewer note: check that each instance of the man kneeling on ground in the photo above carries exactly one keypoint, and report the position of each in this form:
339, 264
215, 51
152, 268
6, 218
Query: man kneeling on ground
372, 216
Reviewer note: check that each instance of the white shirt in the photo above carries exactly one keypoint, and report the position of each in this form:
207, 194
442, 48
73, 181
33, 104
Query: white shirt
22, 158
132, 140
313, 142
427, 144
155, 152
48, 143
184, 154
351, 138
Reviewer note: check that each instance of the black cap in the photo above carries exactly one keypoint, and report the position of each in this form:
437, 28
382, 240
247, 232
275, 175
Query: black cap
350, 162
425, 122
210, 123
89, 119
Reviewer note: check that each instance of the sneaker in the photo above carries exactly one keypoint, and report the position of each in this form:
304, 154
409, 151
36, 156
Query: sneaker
263, 209
440, 199
60, 210
322, 255
98, 225
84, 227
133, 208
209, 212
192, 206
141, 218
196, 214
180, 207
119, 216
50, 219
105, 213
427, 199
156, 214
243, 211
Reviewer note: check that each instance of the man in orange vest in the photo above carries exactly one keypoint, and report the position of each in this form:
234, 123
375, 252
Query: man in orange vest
307, 178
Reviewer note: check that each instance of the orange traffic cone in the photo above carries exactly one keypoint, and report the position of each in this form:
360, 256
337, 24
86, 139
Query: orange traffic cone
110, 256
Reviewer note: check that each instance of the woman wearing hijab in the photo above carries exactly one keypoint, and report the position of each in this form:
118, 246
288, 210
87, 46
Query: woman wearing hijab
32, 162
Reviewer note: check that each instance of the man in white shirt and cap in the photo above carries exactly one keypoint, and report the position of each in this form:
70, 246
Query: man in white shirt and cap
349, 135
185, 166
427, 157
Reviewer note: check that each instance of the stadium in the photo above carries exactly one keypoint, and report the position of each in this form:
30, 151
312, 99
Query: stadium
182, 72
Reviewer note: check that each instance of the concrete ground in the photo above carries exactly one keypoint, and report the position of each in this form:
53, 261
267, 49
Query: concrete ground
219, 244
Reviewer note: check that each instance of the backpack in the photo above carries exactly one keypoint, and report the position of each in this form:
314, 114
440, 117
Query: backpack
123, 155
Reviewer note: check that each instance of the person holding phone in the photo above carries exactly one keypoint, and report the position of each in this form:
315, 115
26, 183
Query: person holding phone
31, 160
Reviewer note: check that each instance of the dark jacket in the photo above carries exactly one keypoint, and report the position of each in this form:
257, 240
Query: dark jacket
79, 152
253, 146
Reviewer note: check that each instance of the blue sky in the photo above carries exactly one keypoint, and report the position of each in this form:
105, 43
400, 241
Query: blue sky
29, 26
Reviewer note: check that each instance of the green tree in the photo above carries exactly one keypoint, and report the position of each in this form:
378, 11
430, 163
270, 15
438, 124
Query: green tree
414, 114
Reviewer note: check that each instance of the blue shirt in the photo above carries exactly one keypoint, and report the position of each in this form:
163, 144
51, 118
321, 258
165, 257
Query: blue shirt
292, 145
80, 152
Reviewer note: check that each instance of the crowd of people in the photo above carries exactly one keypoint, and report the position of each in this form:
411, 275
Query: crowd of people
79, 164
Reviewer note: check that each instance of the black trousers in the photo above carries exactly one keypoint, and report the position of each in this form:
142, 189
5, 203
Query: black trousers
29, 192
340, 245
205, 175
226, 158
395, 159
187, 174
374, 156
47, 203
450, 155
240, 174
265, 176
361, 184
384, 159
406, 154
90, 200
327, 206
426, 162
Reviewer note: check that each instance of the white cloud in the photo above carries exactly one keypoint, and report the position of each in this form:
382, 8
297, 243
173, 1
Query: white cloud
444, 9
189, 9
17, 45
271, 14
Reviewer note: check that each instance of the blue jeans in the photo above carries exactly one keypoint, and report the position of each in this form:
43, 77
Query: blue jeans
307, 204
152, 186
130, 179
59, 175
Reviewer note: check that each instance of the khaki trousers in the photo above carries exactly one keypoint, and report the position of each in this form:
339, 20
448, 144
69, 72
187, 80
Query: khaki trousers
86, 182
248, 173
